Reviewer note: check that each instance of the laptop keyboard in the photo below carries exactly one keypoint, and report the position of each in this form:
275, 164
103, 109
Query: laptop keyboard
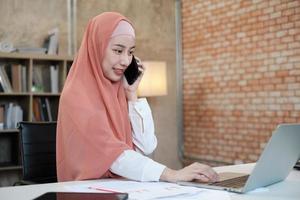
237, 182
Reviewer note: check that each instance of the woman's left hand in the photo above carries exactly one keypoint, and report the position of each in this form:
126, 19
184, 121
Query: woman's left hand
131, 90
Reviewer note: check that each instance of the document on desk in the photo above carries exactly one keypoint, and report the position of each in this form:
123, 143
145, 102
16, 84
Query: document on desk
151, 190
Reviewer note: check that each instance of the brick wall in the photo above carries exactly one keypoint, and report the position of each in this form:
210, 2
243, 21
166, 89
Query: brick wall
241, 70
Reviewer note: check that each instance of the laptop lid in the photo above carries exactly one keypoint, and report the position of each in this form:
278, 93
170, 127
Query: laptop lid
278, 158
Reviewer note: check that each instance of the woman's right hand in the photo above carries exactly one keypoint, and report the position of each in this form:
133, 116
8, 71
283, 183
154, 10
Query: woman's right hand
130, 90
201, 172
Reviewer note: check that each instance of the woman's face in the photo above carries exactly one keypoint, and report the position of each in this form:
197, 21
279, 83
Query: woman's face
118, 56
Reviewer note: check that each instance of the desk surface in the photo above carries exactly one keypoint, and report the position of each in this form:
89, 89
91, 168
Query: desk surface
287, 189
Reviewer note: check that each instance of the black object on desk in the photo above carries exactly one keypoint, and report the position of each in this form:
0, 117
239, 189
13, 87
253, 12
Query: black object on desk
297, 166
82, 196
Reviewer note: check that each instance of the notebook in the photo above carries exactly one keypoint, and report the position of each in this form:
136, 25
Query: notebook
276, 161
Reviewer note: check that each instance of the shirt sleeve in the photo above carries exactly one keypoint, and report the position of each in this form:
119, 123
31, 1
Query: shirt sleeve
142, 125
135, 166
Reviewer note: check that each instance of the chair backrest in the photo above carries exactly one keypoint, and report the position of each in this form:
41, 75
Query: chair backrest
38, 151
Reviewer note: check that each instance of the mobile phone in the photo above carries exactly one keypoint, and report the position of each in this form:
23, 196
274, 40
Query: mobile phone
82, 196
132, 72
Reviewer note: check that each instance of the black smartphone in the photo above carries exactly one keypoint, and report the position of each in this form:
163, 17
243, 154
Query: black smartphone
82, 196
132, 72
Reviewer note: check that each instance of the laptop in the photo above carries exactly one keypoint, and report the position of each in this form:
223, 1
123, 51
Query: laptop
276, 161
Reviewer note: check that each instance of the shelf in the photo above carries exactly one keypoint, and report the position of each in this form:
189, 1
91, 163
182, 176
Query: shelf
9, 130
45, 94
14, 94
36, 56
43, 77
8, 166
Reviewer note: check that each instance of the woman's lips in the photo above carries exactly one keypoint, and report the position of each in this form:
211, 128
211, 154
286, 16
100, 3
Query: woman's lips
119, 72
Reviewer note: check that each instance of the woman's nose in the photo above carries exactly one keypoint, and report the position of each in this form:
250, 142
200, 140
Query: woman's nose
125, 60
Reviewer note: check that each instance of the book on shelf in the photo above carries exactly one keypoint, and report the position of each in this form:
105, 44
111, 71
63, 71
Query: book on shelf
42, 109
45, 79
4, 80
8, 116
1, 88
48, 108
13, 78
16, 77
37, 80
24, 78
36, 110
17, 115
2, 107
54, 78
53, 41
13, 113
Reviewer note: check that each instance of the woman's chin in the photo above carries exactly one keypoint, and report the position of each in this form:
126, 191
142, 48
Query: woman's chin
115, 79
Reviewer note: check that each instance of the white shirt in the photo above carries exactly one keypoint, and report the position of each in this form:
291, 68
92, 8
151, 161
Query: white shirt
133, 164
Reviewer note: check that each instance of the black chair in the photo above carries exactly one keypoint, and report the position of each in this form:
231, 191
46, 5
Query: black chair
38, 152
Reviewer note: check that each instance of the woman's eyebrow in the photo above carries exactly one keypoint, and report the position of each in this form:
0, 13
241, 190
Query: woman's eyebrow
123, 46
119, 45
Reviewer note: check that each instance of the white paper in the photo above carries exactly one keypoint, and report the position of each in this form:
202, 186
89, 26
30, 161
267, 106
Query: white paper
151, 190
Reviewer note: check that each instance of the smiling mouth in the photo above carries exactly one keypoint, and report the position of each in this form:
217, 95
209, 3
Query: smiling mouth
119, 71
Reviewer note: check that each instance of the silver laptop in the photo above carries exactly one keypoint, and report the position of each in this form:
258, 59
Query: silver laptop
276, 161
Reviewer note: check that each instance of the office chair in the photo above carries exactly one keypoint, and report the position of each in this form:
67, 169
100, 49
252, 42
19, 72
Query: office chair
38, 152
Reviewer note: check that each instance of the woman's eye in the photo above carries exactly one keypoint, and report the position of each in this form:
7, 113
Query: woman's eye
131, 52
117, 51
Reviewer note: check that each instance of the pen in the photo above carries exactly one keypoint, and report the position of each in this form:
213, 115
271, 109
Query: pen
104, 190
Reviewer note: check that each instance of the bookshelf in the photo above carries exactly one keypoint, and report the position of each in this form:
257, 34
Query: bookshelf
37, 100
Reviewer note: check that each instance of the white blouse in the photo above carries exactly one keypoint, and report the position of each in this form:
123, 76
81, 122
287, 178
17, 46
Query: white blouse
135, 165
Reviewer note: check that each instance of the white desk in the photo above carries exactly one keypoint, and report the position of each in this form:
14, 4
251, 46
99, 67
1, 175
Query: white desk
288, 189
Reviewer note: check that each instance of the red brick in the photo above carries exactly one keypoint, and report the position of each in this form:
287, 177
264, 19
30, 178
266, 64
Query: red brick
241, 75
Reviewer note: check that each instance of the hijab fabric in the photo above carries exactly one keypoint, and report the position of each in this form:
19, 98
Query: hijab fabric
93, 126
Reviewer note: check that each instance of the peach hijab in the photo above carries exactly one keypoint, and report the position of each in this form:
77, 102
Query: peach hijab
93, 126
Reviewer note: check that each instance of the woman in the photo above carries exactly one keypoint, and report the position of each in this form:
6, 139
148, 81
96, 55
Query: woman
103, 128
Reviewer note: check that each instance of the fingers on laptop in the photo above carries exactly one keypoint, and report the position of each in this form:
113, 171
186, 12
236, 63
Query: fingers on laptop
205, 173
195, 171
